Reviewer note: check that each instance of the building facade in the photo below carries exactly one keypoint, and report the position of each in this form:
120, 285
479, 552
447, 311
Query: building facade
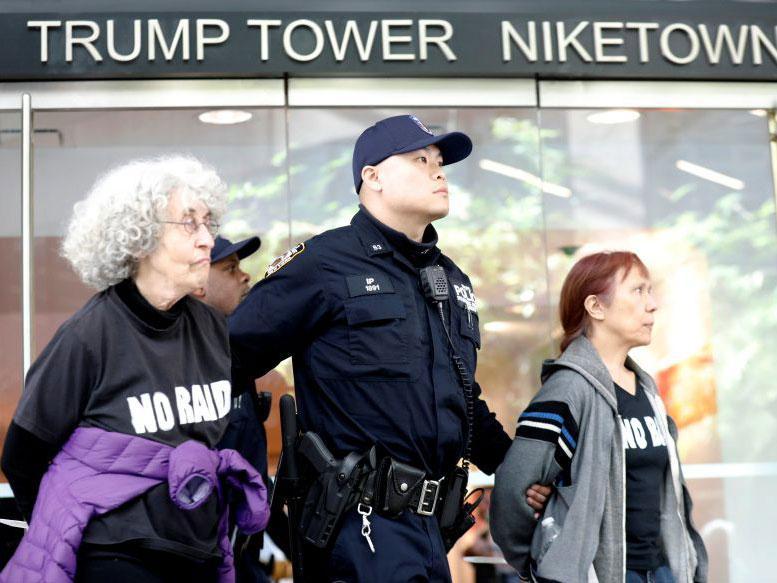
647, 126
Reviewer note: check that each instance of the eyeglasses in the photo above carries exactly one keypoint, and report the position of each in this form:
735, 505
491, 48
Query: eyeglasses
192, 226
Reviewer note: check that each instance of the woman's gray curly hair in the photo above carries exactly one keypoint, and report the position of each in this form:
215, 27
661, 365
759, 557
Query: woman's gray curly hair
119, 221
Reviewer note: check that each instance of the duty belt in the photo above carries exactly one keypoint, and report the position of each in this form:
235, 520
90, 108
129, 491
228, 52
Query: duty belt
391, 489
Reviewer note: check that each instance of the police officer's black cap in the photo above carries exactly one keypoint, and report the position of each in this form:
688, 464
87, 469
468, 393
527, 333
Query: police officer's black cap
401, 134
223, 248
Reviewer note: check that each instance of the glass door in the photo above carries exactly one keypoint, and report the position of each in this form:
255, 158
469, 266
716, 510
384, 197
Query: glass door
11, 268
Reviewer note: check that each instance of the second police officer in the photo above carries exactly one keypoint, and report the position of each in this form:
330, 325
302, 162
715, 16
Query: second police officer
376, 359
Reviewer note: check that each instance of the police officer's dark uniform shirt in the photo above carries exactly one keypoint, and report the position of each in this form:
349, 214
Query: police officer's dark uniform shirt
646, 464
121, 365
371, 360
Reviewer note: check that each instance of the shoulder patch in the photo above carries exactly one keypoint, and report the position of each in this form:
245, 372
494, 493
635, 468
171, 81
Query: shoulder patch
280, 262
465, 297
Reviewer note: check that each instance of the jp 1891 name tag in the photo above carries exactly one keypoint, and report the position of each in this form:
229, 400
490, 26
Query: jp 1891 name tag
364, 285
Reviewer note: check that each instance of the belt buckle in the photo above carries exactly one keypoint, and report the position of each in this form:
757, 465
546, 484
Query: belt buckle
430, 487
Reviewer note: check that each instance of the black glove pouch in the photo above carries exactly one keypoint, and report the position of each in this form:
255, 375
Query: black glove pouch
396, 485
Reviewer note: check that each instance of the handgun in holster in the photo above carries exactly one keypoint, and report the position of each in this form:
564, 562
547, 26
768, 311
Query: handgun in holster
456, 510
335, 488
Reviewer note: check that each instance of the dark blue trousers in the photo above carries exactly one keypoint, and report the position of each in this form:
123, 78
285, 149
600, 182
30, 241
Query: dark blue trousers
407, 549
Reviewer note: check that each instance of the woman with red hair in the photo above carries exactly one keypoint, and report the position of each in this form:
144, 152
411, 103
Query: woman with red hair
598, 431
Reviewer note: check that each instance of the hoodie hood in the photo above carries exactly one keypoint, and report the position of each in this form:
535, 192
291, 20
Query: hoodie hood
581, 357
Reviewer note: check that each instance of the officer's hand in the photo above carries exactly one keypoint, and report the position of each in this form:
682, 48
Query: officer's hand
537, 496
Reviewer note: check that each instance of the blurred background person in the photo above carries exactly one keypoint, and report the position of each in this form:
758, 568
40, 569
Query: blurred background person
226, 286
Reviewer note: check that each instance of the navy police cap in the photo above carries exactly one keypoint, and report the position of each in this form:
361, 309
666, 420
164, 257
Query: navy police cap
223, 248
401, 134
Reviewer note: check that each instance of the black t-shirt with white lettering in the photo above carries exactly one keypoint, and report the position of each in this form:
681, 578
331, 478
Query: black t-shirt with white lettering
646, 463
121, 365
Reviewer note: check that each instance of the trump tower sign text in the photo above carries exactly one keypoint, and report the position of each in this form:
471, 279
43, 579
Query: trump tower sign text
646, 40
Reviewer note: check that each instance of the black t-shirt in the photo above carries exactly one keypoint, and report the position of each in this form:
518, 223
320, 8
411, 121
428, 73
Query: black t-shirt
646, 463
123, 366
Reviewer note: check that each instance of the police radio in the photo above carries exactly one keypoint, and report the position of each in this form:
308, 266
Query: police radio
434, 283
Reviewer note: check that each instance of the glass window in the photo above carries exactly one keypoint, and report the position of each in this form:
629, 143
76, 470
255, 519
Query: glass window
10, 267
72, 149
692, 193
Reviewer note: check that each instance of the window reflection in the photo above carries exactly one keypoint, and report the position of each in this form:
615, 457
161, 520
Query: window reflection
72, 149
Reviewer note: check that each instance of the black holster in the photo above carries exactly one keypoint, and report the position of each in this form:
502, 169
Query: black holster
335, 488
455, 512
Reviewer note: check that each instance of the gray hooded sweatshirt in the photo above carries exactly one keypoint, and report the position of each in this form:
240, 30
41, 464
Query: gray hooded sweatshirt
571, 435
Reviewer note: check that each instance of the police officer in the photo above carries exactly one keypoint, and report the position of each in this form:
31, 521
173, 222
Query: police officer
372, 356
226, 287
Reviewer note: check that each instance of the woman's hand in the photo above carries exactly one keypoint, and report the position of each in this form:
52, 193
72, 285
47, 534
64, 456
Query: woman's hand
537, 496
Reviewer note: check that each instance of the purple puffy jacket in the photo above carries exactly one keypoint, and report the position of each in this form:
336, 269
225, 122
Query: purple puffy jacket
97, 471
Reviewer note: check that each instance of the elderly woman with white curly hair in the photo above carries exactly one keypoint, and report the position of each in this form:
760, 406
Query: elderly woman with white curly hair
110, 452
